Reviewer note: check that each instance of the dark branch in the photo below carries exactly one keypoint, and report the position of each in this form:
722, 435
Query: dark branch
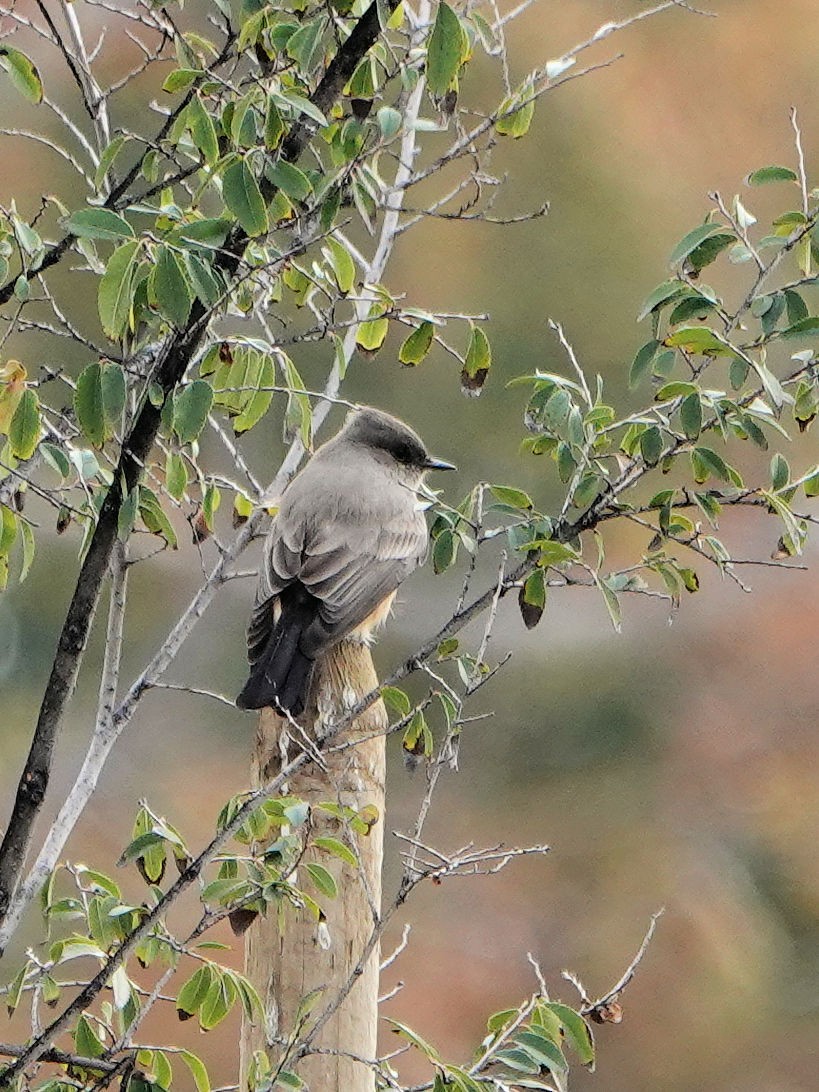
69, 60
60, 1057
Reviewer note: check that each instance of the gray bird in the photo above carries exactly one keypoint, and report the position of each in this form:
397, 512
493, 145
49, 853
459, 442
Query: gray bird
349, 530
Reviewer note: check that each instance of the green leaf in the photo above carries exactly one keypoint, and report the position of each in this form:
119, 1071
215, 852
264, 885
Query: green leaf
259, 403
154, 517
477, 363
532, 598
286, 1079
302, 45
27, 536
611, 600
641, 365
202, 130
517, 1059
300, 104
805, 327
99, 401
168, 288
797, 308
181, 79
96, 223
542, 1050
210, 503
112, 380
396, 699
207, 234
692, 240
88, 404
445, 50
86, 1041
676, 389
176, 475
416, 346
244, 199
107, 158
299, 415
661, 295
14, 991
765, 175
191, 408
699, 339
194, 991
738, 372
337, 849
162, 1073
197, 1070
708, 251
22, 73
290, 180
690, 307
56, 459
203, 280
691, 415
8, 529
127, 514
389, 121
444, 551
576, 1030
342, 265
116, 290
515, 498
811, 484
371, 333
412, 1037
517, 123
274, 127
706, 463
24, 429
323, 880
780, 472
691, 582
651, 445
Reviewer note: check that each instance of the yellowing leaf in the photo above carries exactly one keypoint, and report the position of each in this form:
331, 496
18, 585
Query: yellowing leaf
522, 104
22, 73
13, 376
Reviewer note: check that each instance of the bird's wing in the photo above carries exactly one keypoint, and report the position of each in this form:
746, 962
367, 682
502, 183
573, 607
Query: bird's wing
350, 561
281, 566
354, 567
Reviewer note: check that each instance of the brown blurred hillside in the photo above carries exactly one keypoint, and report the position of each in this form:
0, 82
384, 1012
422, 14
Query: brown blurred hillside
671, 766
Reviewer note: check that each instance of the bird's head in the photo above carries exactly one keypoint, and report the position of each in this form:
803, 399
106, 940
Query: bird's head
385, 434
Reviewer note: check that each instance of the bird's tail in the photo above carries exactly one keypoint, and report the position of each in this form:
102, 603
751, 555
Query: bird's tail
281, 676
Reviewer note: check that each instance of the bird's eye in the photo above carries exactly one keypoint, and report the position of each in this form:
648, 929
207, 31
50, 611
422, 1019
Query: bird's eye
408, 453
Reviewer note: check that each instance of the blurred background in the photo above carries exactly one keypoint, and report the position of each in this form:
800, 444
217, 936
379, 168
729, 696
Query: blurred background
670, 766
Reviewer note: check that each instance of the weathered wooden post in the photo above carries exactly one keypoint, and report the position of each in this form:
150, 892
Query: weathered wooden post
287, 963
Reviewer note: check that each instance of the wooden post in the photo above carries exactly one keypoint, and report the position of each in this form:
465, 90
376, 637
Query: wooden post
286, 962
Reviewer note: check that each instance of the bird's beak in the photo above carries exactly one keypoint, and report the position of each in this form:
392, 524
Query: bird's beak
438, 464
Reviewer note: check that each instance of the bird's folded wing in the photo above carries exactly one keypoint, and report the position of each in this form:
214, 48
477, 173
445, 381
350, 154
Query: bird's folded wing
283, 555
353, 576
350, 567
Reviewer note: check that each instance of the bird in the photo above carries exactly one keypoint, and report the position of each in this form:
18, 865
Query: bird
349, 529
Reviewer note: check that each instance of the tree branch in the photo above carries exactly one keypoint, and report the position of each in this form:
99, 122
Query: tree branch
174, 358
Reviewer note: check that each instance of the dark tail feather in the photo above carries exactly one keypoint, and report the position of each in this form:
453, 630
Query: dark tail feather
281, 676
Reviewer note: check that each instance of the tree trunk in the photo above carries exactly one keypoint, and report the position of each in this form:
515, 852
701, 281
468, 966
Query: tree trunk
288, 956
